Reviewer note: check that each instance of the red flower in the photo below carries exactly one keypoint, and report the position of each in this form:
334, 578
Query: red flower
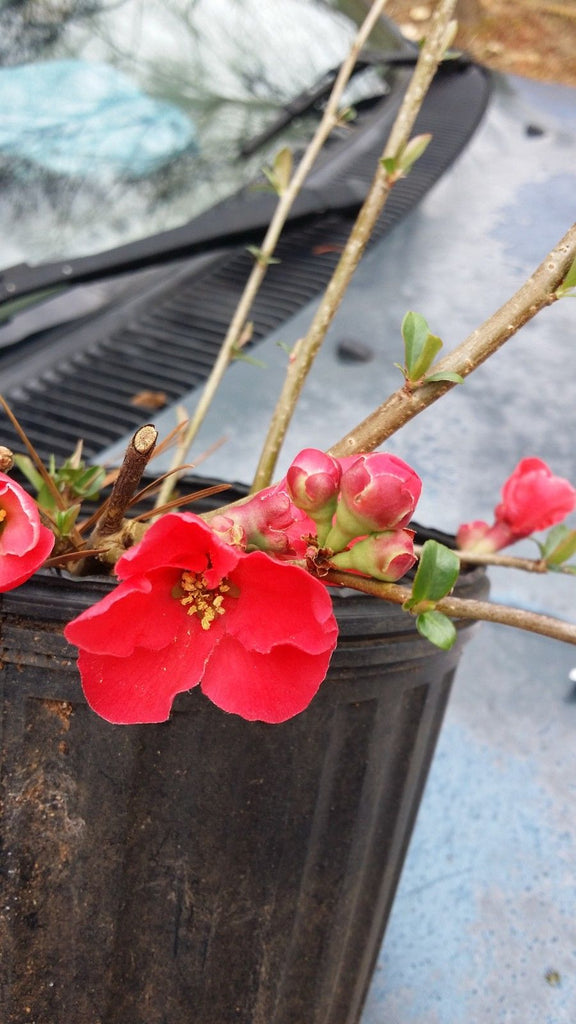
532, 499
255, 633
24, 543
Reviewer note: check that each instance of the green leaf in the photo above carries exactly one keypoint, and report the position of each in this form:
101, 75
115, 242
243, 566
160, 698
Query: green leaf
242, 357
437, 628
261, 257
420, 346
390, 165
412, 152
28, 469
282, 168
64, 519
559, 545
436, 575
86, 483
447, 375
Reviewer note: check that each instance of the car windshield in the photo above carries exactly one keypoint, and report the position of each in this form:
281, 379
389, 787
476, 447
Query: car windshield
127, 117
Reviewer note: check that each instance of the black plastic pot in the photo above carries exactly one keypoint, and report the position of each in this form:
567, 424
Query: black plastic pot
207, 870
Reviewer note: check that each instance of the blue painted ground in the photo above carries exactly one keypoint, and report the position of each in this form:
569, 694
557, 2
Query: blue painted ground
483, 928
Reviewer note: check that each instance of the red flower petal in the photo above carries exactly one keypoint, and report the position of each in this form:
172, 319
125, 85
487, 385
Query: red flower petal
141, 688
139, 613
24, 543
280, 604
182, 540
268, 687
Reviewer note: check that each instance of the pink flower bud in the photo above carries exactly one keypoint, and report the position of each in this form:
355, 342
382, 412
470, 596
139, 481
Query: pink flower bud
313, 481
383, 556
378, 492
268, 521
532, 499
24, 543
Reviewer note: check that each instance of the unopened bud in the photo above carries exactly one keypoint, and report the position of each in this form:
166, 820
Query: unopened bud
378, 492
313, 482
382, 556
6, 459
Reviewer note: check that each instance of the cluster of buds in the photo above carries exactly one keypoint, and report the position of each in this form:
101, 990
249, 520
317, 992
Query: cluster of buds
361, 507
354, 510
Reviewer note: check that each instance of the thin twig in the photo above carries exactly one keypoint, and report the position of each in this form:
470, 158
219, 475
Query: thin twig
538, 565
460, 608
187, 499
535, 294
306, 349
285, 202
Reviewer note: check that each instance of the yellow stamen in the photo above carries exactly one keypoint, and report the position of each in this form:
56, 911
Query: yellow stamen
199, 599
3, 514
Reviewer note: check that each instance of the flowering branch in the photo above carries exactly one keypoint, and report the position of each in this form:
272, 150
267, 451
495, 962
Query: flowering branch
458, 608
539, 291
537, 565
307, 349
286, 200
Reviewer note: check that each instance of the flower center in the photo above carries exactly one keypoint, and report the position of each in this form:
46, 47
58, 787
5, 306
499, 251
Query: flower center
3, 517
199, 599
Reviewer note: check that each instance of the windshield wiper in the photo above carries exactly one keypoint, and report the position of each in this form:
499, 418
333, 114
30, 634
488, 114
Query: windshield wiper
305, 101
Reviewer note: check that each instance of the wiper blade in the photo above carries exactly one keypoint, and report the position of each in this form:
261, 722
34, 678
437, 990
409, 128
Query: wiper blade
305, 101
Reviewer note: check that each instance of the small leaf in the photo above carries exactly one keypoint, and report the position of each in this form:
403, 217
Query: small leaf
242, 357
559, 545
272, 180
282, 166
390, 165
261, 257
455, 378
437, 628
64, 519
412, 152
345, 116
27, 468
437, 573
420, 346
